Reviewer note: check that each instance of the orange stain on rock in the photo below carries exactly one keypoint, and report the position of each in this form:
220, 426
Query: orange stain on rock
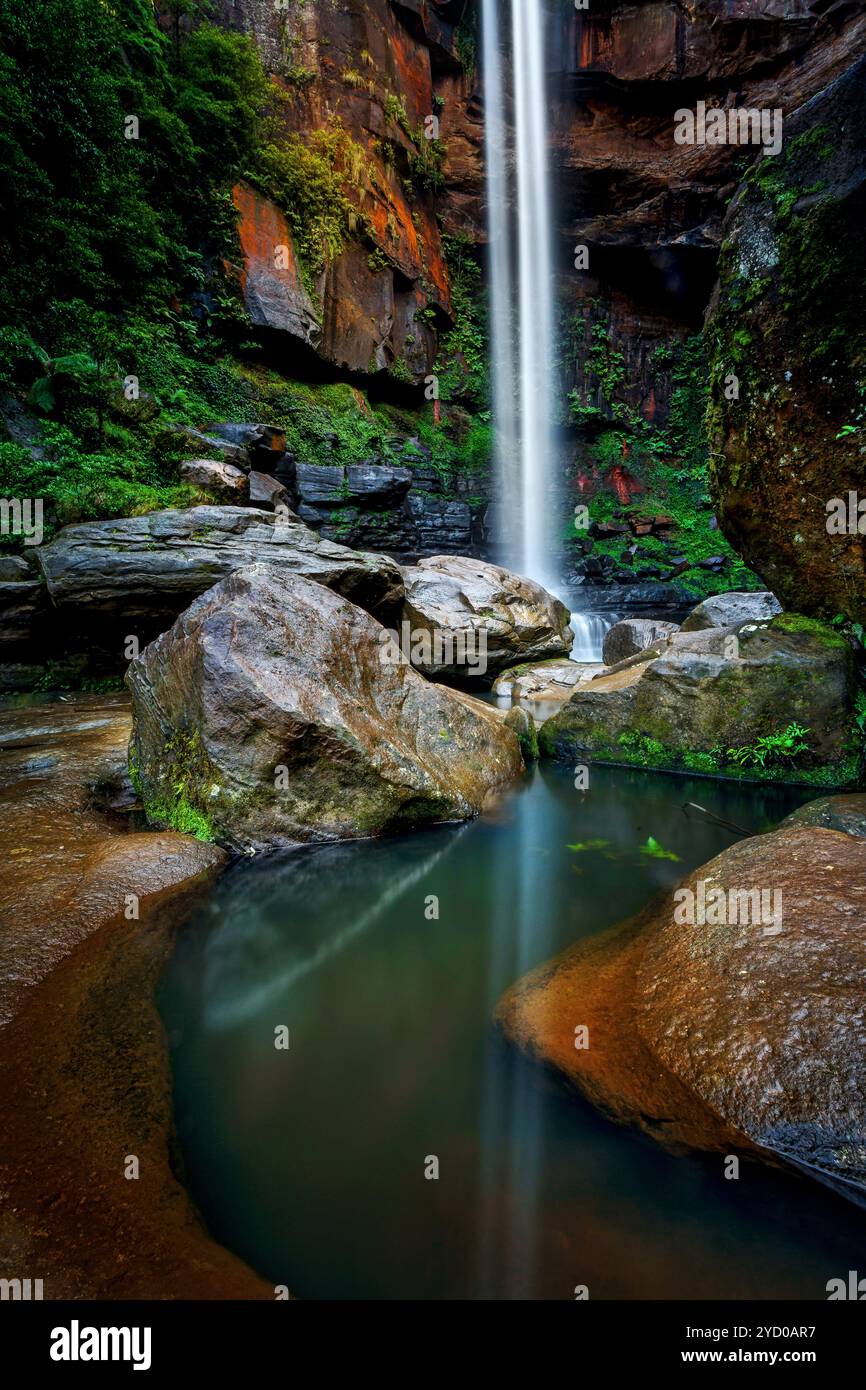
264, 235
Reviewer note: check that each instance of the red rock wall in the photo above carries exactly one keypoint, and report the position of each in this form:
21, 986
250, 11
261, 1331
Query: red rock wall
358, 63
650, 210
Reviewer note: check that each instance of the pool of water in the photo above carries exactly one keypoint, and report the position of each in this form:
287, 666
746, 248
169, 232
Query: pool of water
310, 1162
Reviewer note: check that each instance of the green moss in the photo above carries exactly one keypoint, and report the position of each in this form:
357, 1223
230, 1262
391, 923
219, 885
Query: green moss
462, 367
782, 755
308, 178
822, 632
671, 462
653, 756
135, 771
177, 792
522, 724
181, 816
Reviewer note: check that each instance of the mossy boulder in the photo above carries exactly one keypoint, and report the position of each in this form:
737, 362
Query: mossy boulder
738, 1023
724, 699
521, 722
268, 715
787, 339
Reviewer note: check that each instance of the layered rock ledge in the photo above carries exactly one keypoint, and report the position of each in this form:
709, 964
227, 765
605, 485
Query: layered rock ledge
154, 565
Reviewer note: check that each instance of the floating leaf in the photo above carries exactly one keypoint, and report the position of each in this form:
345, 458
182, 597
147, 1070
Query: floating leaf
653, 850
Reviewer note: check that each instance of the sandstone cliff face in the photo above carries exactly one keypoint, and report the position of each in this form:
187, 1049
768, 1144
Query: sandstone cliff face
787, 326
650, 210
377, 70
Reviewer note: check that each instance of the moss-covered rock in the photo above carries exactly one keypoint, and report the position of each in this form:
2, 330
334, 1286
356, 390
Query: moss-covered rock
523, 725
773, 702
788, 345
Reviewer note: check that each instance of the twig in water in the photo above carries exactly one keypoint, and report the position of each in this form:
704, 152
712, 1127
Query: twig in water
711, 815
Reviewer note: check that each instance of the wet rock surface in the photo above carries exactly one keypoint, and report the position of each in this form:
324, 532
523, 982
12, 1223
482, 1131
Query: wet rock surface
78, 1022
152, 566
790, 446
273, 713
512, 618
543, 687
72, 870
746, 1030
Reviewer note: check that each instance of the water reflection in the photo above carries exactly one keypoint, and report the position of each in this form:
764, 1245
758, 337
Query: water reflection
246, 972
311, 1163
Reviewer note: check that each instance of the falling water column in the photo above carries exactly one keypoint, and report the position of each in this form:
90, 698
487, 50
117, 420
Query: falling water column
503, 310
539, 538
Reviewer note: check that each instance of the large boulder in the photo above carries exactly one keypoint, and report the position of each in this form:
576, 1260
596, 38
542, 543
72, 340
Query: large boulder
153, 566
272, 713
470, 606
745, 1025
724, 610
717, 690
632, 636
786, 325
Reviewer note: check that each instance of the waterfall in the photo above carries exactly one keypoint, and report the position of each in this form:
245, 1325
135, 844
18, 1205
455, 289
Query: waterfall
521, 275
503, 323
589, 631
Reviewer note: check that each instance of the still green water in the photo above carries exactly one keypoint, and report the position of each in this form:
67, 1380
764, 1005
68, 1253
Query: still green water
310, 1163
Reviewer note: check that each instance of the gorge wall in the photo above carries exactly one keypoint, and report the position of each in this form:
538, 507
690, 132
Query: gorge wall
651, 214
361, 82
650, 210
376, 72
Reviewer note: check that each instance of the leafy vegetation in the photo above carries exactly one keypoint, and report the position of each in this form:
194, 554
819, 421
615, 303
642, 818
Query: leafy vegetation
776, 748
653, 850
114, 222
669, 463
308, 179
